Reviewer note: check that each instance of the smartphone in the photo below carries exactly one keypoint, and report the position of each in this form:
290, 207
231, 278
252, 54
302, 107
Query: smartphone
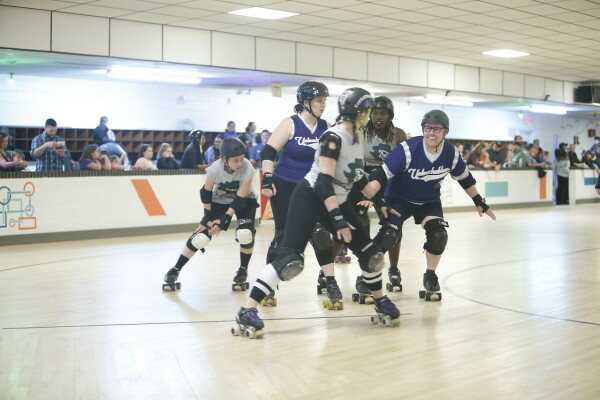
61, 144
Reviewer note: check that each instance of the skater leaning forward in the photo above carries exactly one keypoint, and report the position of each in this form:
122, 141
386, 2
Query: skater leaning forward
227, 191
414, 172
321, 197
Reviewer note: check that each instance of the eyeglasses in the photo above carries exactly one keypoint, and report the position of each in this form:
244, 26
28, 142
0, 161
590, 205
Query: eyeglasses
428, 129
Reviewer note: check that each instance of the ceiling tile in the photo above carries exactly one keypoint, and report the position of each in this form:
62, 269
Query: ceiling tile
542, 9
572, 17
292, 36
411, 16
349, 27
447, 34
185, 12
478, 19
357, 37
248, 30
364, 47
478, 30
477, 6
278, 25
231, 19
578, 5
372, 9
151, 18
417, 28
509, 14
214, 5
328, 42
381, 22
334, 3
201, 24
37, 4
253, 3
513, 3
299, 7
97, 11
404, 4
341, 15
444, 12
308, 20
134, 5
320, 31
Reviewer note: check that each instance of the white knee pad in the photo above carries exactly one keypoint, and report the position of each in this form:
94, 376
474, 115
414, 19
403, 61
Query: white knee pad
244, 236
200, 240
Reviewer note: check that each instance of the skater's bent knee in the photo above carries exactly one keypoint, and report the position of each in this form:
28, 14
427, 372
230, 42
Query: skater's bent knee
289, 263
198, 241
437, 237
370, 258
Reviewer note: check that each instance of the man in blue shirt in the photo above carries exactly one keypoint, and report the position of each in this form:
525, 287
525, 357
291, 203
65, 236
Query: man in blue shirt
48, 149
414, 172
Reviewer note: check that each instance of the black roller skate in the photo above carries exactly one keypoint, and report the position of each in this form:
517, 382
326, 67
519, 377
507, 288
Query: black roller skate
334, 294
395, 279
239, 280
432, 287
321, 283
343, 257
269, 301
248, 324
387, 313
171, 283
364, 294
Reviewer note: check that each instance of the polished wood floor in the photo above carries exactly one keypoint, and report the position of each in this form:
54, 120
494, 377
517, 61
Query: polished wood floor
520, 319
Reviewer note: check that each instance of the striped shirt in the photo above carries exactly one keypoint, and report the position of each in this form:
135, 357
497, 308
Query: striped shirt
49, 160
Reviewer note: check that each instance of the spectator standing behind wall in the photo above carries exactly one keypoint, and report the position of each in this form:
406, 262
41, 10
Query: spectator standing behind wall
49, 150
519, 158
497, 155
562, 175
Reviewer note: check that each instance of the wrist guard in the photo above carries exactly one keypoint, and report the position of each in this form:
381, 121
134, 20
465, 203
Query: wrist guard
338, 219
480, 202
207, 217
224, 221
267, 181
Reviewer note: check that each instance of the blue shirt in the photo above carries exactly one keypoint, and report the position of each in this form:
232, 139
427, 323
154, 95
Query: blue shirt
49, 160
100, 136
298, 154
413, 177
209, 155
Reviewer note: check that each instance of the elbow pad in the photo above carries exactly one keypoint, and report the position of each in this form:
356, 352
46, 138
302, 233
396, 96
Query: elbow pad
378, 175
330, 145
268, 153
467, 182
238, 204
361, 183
324, 186
205, 195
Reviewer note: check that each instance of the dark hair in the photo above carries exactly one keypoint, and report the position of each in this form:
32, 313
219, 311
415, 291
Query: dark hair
143, 149
390, 131
87, 152
103, 119
248, 127
51, 122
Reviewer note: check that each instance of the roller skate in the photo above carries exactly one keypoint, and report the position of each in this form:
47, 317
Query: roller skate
321, 283
171, 283
269, 301
239, 280
364, 294
432, 287
343, 257
334, 294
387, 313
248, 324
395, 279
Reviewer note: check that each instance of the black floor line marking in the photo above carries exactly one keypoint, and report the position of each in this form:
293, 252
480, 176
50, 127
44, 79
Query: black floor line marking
447, 288
184, 322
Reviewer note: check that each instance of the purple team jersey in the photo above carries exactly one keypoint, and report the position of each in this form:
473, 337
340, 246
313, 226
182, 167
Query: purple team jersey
298, 154
414, 178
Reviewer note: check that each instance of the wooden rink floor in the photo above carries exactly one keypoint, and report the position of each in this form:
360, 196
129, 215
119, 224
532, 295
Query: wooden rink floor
519, 319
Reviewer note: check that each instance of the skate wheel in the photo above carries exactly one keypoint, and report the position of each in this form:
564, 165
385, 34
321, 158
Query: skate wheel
373, 319
368, 300
361, 300
263, 302
421, 294
235, 330
340, 305
273, 302
383, 321
325, 303
247, 284
389, 287
355, 297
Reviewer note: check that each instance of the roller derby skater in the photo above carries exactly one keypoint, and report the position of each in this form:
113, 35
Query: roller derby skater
381, 137
227, 191
321, 197
413, 173
293, 144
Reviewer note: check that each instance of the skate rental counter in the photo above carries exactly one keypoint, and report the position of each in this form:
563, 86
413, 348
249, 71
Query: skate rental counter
44, 207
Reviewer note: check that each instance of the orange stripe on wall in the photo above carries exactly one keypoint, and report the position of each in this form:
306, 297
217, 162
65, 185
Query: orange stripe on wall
543, 188
148, 198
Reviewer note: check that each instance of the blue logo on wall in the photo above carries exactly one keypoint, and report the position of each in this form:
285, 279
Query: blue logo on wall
16, 208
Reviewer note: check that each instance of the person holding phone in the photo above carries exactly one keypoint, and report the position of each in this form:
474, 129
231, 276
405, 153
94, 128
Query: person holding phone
49, 149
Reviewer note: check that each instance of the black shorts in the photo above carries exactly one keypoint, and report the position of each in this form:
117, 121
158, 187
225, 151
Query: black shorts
246, 213
417, 211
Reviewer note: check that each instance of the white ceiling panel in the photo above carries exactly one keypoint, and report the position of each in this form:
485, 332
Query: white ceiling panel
214, 5
134, 5
152, 18
94, 11
37, 4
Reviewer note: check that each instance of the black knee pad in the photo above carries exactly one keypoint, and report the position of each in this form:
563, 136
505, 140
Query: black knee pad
272, 251
289, 263
437, 237
370, 258
389, 234
321, 240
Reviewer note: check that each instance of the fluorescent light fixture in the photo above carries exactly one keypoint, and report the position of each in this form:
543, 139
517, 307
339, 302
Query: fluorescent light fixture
155, 74
548, 109
447, 101
264, 13
505, 53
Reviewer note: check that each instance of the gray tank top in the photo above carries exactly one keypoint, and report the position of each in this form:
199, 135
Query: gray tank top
376, 150
349, 167
226, 184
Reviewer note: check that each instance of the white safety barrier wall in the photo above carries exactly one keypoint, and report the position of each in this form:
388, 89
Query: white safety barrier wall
38, 205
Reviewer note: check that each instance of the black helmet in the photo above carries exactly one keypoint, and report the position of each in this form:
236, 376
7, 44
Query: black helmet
232, 147
436, 117
353, 101
384, 103
311, 89
196, 134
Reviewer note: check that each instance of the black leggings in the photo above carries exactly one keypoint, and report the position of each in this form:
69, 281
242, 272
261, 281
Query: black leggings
562, 190
306, 209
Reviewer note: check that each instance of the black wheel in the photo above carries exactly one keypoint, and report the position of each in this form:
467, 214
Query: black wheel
428, 296
389, 287
421, 294
439, 297
400, 286
177, 285
319, 289
355, 297
361, 300
247, 285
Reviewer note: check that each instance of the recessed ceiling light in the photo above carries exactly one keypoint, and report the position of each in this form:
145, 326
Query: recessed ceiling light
505, 53
265, 13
